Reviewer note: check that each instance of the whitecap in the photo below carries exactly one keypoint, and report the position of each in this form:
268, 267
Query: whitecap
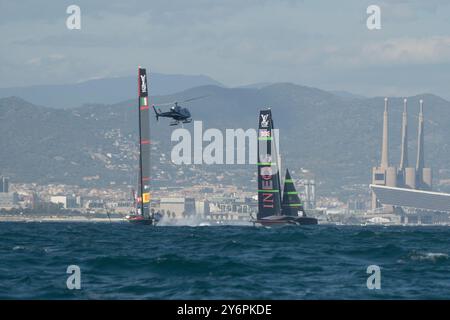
428, 256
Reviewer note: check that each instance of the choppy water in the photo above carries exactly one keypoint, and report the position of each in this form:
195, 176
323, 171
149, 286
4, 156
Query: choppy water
123, 261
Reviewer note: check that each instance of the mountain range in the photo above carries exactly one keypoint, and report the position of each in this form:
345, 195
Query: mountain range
106, 90
335, 136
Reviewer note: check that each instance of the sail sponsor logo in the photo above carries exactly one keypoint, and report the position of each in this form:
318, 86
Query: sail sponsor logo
143, 84
263, 133
266, 184
216, 146
264, 120
265, 158
266, 172
146, 197
268, 201
144, 101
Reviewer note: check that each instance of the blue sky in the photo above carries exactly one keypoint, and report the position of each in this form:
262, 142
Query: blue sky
324, 44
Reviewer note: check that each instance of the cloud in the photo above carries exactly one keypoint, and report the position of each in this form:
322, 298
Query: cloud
236, 42
47, 60
391, 52
435, 49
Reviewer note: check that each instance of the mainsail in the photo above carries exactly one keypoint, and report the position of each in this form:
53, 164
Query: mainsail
291, 204
144, 145
269, 194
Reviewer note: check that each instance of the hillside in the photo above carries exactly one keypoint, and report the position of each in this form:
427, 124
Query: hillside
338, 138
106, 90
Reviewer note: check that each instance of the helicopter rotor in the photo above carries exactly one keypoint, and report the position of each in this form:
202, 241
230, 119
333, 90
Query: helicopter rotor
183, 101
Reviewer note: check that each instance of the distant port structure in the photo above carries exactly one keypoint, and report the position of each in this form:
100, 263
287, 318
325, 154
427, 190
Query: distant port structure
407, 189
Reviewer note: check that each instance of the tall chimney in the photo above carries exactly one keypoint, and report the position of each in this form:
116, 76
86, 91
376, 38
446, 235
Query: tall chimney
420, 164
385, 146
404, 156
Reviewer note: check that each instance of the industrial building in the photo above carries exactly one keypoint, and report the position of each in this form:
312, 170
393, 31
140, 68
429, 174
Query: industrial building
418, 199
405, 191
405, 175
415, 206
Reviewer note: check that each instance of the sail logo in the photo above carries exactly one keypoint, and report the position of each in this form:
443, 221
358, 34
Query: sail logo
268, 201
146, 197
264, 120
264, 133
265, 158
266, 172
267, 183
143, 84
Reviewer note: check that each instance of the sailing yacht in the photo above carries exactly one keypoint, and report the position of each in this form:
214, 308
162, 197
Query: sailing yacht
271, 209
291, 204
142, 213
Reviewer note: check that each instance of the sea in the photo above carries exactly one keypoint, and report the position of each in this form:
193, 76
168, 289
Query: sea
125, 261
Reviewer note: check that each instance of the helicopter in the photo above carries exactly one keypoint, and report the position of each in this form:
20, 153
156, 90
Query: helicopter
178, 113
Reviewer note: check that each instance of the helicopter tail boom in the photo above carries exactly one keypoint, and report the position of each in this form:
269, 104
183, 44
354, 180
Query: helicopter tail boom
156, 113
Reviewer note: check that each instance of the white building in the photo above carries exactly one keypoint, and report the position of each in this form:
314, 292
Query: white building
65, 201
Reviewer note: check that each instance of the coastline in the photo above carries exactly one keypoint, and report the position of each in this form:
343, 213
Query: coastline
22, 218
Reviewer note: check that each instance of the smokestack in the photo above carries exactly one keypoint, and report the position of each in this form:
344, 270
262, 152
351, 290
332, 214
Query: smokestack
404, 156
420, 164
385, 146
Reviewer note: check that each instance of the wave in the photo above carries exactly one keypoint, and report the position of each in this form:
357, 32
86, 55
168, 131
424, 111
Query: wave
434, 257
366, 234
126, 261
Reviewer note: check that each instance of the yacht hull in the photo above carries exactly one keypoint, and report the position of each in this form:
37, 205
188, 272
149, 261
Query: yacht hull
285, 220
141, 220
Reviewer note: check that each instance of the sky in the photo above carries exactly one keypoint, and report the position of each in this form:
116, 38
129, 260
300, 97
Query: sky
323, 44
